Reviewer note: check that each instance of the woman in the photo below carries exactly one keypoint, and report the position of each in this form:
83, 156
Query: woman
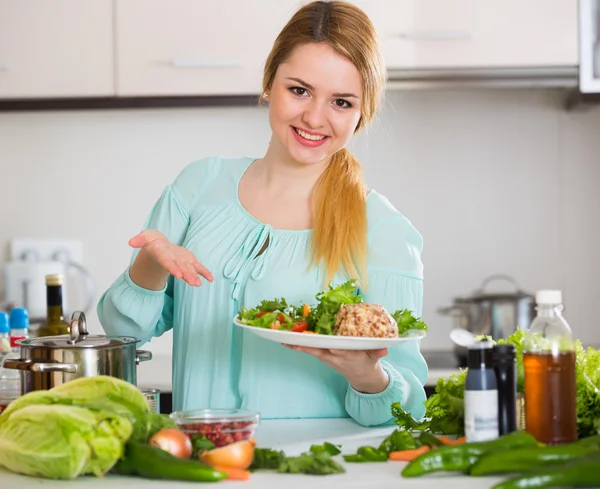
283, 225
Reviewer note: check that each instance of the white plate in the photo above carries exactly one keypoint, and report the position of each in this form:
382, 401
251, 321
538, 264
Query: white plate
328, 341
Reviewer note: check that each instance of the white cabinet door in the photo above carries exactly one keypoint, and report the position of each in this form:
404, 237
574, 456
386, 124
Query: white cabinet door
191, 47
475, 33
58, 48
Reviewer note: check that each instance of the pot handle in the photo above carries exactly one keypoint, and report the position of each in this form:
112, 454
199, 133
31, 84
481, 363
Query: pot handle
499, 276
142, 356
43, 367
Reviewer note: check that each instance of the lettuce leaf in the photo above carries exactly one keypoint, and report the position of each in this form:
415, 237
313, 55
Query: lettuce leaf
406, 321
322, 318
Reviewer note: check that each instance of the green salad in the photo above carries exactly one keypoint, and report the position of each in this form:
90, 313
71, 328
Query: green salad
319, 318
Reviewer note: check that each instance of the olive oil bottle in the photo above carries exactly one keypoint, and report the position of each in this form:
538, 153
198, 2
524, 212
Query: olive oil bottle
55, 322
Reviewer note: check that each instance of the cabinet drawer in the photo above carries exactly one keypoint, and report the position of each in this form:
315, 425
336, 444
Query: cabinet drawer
186, 47
62, 48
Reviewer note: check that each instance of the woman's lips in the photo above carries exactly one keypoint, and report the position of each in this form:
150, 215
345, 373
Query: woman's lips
309, 143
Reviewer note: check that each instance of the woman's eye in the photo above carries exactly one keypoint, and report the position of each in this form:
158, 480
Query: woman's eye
298, 91
342, 104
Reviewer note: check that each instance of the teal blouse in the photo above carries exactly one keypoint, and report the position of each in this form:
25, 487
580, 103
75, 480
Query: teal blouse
215, 363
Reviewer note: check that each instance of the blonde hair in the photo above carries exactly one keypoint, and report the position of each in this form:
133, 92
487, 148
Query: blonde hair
339, 237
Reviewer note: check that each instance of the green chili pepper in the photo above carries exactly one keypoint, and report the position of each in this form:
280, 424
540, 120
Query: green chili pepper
326, 447
577, 473
399, 440
462, 457
155, 463
372, 454
355, 458
525, 459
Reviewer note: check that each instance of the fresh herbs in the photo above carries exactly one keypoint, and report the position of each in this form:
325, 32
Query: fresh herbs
317, 461
200, 444
278, 314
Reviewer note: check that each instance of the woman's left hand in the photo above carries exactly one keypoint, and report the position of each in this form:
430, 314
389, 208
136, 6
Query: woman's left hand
360, 367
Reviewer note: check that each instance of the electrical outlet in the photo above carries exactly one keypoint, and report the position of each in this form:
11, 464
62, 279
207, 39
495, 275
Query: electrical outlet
46, 249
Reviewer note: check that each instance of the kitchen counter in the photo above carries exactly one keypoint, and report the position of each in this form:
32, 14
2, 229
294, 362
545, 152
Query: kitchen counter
293, 437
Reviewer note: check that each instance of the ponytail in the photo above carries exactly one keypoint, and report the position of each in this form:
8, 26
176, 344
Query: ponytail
339, 238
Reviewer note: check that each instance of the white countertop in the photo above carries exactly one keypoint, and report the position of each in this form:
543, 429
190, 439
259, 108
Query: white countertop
293, 437
156, 374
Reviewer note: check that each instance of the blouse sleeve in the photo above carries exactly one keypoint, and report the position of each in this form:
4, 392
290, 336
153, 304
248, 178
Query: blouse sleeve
126, 309
396, 282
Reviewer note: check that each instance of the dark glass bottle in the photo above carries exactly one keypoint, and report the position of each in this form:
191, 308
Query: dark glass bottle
55, 322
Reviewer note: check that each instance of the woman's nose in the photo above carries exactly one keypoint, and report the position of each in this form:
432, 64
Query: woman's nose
314, 115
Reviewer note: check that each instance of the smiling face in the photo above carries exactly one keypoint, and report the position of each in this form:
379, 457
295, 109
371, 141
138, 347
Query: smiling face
315, 104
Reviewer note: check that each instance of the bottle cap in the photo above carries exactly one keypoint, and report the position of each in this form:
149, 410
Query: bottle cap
480, 355
503, 354
550, 297
19, 318
4, 327
54, 279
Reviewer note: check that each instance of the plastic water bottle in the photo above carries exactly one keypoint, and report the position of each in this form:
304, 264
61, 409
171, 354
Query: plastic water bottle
19, 327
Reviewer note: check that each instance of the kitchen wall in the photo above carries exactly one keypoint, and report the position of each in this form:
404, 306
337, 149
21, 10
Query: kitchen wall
496, 181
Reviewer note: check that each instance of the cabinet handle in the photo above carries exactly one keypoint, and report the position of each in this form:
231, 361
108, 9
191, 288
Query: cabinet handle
435, 35
3, 67
204, 63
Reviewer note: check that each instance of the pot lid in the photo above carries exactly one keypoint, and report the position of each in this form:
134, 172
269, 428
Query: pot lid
79, 337
481, 295
91, 341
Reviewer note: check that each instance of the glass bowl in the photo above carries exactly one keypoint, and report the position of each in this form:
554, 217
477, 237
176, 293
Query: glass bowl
221, 426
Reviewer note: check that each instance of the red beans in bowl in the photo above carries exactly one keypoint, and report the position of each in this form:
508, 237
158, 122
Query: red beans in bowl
221, 426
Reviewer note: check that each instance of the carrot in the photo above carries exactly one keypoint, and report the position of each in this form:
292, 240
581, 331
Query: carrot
305, 310
408, 455
309, 332
233, 474
451, 441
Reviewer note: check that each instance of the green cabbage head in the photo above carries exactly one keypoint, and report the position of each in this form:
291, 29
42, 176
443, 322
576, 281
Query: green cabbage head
62, 442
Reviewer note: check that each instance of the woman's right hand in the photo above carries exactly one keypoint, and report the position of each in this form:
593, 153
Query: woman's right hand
176, 260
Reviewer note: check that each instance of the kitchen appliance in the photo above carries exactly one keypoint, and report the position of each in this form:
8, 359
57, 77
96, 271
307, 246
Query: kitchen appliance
53, 360
496, 314
589, 46
25, 285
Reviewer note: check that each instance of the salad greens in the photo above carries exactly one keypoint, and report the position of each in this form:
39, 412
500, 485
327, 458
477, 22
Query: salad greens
278, 314
444, 410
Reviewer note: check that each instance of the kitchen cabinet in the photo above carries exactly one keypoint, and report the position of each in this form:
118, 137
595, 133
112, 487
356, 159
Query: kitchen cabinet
188, 47
440, 34
62, 48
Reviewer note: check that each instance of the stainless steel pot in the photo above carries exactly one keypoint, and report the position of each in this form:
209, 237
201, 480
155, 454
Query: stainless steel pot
53, 360
497, 314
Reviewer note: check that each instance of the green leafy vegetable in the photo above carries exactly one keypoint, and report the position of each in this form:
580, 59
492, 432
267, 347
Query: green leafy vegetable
587, 378
311, 463
62, 442
326, 447
266, 458
406, 322
157, 422
99, 393
201, 444
444, 410
322, 318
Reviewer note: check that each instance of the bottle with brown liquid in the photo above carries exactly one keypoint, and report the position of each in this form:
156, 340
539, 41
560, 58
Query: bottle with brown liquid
55, 322
549, 364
